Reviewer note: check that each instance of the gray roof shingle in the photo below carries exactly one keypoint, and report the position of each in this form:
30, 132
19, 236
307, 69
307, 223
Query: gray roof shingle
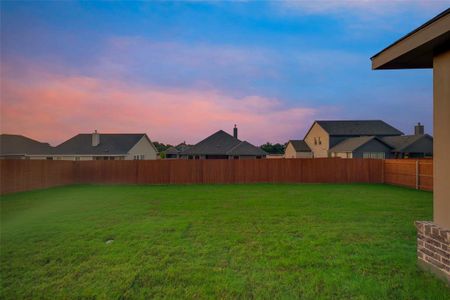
13, 144
245, 148
300, 146
110, 144
222, 143
351, 144
358, 128
171, 150
401, 143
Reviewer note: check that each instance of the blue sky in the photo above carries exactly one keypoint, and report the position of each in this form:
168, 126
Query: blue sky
181, 70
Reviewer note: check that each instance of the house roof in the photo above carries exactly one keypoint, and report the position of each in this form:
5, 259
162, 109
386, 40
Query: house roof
358, 128
401, 143
245, 148
171, 150
417, 48
182, 146
351, 144
222, 143
300, 146
13, 144
110, 144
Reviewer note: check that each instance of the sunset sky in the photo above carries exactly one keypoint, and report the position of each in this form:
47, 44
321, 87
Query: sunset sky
180, 71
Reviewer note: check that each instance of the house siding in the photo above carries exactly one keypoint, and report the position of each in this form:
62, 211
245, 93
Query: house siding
342, 154
290, 152
441, 146
318, 149
143, 147
372, 146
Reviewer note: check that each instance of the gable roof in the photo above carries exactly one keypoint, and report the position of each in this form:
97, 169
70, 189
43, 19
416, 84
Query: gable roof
171, 150
351, 144
300, 146
401, 143
358, 128
110, 144
222, 143
182, 146
245, 148
14, 144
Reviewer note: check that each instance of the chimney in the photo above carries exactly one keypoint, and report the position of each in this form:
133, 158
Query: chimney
95, 139
235, 131
419, 129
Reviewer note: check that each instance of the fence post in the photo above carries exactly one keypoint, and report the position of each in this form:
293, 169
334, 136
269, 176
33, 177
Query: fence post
417, 174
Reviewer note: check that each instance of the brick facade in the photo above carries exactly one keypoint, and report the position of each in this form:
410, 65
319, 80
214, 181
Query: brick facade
433, 248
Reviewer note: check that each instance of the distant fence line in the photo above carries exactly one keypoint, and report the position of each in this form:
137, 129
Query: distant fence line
24, 175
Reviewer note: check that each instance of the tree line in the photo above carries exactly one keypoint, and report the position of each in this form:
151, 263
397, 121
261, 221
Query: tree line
268, 147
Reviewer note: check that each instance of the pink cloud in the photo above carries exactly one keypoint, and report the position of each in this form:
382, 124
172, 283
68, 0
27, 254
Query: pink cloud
54, 108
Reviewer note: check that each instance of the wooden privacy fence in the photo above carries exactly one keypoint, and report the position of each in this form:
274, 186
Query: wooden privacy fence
24, 175
411, 173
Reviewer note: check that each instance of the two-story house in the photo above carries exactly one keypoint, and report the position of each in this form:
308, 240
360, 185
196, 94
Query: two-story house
323, 136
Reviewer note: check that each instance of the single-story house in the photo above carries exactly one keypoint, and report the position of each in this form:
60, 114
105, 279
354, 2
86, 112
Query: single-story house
326, 134
13, 146
222, 145
428, 46
410, 146
110, 146
174, 151
418, 145
88, 146
171, 152
362, 147
297, 149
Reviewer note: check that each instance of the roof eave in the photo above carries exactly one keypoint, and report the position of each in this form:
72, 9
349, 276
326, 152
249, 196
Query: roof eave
416, 49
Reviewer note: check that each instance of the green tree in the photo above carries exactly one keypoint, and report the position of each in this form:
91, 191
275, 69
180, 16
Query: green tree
273, 148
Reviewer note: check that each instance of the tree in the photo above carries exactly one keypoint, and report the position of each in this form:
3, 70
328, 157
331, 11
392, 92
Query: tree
273, 148
161, 147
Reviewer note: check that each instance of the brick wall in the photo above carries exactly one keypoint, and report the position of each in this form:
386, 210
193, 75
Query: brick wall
433, 248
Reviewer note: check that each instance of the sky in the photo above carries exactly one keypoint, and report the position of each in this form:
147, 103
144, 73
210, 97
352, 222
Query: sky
179, 71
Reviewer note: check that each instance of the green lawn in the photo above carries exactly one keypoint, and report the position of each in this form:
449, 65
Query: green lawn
215, 241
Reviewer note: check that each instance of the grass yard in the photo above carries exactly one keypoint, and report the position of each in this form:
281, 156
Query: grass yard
215, 241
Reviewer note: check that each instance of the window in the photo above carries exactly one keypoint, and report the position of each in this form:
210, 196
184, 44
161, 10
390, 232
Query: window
376, 155
142, 156
320, 142
315, 141
77, 158
49, 158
